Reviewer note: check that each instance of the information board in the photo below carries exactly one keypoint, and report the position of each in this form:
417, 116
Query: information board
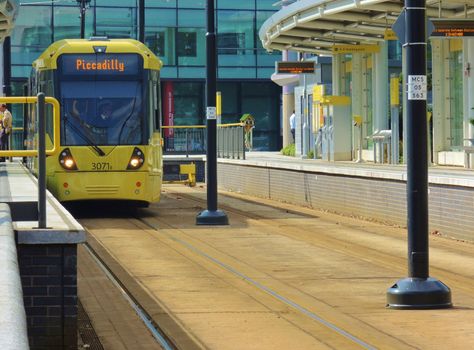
295, 67
452, 27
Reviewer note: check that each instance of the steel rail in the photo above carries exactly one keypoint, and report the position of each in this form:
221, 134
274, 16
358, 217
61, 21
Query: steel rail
159, 336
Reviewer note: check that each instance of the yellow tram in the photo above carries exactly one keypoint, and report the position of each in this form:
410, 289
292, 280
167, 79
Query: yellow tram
110, 141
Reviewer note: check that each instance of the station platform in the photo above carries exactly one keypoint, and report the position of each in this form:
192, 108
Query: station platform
368, 190
43, 259
280, 276
19, 189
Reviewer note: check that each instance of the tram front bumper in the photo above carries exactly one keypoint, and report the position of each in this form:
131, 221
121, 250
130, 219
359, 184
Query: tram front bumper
72, 186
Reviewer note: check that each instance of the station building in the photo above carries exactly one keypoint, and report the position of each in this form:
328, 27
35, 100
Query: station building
365, 53
175, 31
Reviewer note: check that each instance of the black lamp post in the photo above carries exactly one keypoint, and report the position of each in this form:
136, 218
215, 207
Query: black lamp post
7, 67
211, 216
141, 21
82, 6
418, 290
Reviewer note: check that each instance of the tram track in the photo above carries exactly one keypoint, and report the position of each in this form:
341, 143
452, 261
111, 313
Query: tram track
282, 290
296, 306
382, 258
274, 293
147, 320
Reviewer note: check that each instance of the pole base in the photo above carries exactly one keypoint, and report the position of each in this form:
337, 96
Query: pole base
419, 293
212, 217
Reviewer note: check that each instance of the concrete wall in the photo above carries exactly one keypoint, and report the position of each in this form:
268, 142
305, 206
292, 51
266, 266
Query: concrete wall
450, 207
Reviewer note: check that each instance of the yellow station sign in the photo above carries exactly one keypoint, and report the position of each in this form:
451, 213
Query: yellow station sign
389, 34
343, 49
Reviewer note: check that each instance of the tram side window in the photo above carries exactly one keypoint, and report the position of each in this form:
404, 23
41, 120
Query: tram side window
47, 87
157, 104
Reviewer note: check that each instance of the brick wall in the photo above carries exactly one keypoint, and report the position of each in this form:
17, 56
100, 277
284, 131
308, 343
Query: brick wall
49, 280
450, 206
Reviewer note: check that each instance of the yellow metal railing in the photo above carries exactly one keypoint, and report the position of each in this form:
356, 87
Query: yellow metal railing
200, 126
183, 126
56, 119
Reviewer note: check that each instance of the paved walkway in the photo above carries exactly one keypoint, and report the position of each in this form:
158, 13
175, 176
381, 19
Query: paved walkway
278, 277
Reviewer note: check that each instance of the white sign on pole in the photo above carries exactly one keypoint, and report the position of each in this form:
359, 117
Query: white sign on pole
417, 87
211, 112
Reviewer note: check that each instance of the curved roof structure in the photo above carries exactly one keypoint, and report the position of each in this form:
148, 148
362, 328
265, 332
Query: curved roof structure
316, 25
8, 11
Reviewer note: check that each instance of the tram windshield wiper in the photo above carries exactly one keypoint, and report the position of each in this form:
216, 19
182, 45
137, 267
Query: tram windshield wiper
89, 142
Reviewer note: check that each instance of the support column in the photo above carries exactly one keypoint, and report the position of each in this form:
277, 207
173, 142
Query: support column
356, 90
380, 96
439, 98
469, 93
336, 75
404, 93
381, 88
366, 104
1, 70
7, 67
288, 100
356, 93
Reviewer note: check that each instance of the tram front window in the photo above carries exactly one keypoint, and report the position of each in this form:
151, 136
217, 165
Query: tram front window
102, 113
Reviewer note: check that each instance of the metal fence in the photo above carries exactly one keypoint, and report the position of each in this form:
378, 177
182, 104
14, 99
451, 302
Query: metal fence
231, 141
184, 139
191, 139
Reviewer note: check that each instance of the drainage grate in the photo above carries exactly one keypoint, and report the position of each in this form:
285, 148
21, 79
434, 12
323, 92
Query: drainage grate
88, 338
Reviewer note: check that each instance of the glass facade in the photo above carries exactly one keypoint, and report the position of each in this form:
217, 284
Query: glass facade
175, 31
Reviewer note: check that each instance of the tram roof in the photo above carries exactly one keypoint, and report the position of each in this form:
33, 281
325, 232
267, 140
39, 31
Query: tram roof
48, 59
8, 12
316, 25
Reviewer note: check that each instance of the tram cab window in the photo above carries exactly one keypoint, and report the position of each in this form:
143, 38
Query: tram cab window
102, 113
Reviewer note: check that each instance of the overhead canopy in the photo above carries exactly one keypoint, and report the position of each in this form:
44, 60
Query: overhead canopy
316, 25
8, 11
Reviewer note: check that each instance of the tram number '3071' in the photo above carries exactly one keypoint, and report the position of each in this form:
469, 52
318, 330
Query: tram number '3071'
101, 166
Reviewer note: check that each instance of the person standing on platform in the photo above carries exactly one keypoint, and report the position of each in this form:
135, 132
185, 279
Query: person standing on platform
293, 125
6, 128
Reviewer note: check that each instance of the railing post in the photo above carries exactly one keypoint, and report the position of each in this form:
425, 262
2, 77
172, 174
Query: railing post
227, 143
25, 119
242, 139
41, 161
232, 141
187, 142
219, 142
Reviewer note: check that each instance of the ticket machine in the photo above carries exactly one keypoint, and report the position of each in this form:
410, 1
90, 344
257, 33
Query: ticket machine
332, 123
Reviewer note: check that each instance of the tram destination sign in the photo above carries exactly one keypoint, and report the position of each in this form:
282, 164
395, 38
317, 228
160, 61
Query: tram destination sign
452, 28
118, 64
295, 67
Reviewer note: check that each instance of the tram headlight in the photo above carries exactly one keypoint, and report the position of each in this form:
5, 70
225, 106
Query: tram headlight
66, 160
136, 160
